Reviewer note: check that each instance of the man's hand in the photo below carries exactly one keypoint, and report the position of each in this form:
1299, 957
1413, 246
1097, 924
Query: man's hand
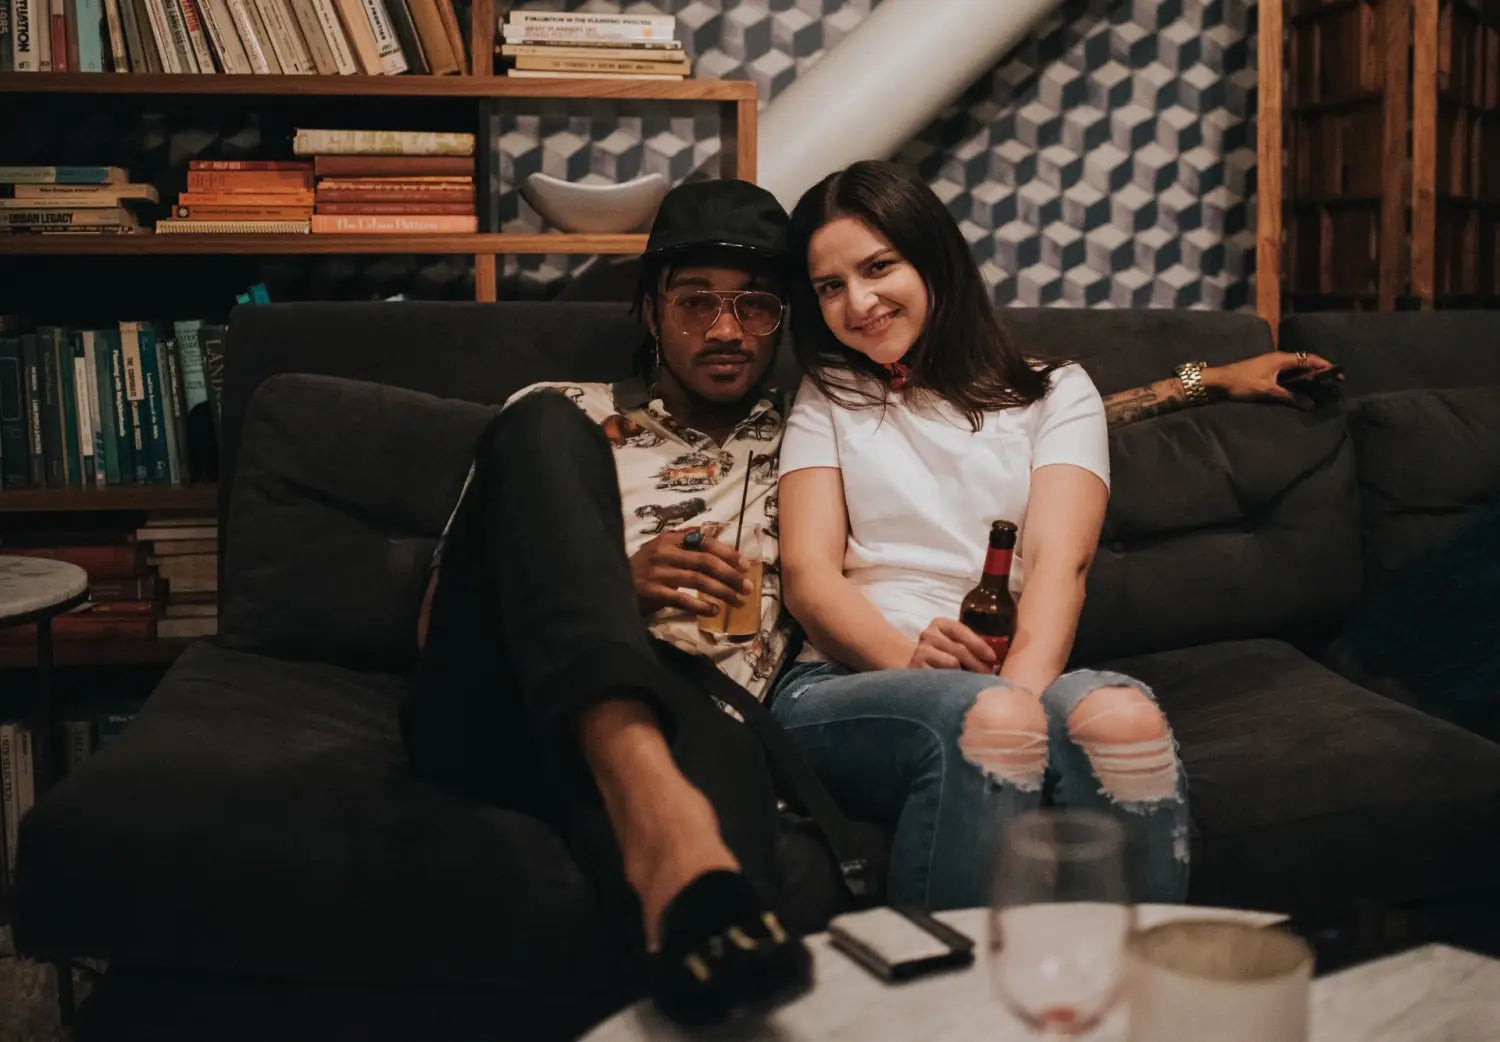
946, 644
664, 570
1255, 379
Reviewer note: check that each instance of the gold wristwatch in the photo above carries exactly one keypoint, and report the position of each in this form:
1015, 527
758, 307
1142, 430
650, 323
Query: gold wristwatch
1190, 375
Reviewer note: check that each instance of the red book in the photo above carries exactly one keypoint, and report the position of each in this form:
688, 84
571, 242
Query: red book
391, 166
109, 561
261, 181
462, 209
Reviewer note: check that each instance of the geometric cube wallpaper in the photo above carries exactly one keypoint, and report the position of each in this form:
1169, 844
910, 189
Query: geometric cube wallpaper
1109, 160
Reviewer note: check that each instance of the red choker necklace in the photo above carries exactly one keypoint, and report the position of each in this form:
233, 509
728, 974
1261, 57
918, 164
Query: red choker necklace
898, 373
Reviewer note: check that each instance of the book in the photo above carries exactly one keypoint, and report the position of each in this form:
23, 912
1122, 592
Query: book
616, 66
313, 39
31, 367
433, 36
14, 472
173, 226
106, 455
396, 166
586, 25
361, 36
155, 432
77, 195
9, 790
201, 447
662, 52
252, 37
339, 45
534, 74
101, 561
392, 224
387, 46
262, 182
122, 437
211, 212
245, 199
187, 628
222, 35
83, 371
63, 175
449, 209
412, 47
382, 142
170, 382
54, 217
134, 400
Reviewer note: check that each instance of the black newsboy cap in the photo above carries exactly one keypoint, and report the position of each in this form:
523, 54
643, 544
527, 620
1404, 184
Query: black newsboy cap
724, 214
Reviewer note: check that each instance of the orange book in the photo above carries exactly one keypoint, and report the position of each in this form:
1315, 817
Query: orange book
406, 195
248, 164
261, 181
242, 213
392, 166
406, 208
245, 199
392, 224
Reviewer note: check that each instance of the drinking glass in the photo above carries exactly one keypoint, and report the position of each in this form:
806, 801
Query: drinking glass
1060, 919
743, 621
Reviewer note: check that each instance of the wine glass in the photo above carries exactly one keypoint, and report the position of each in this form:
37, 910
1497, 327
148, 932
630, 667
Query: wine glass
1060, 919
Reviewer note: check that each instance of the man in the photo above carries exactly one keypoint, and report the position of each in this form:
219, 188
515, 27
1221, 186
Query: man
563, 667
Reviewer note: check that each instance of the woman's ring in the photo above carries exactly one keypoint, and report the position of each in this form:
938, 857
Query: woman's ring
693, 540
1301, 357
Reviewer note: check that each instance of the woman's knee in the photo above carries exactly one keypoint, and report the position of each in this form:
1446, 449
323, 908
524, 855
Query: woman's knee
1125, 736
1005, 735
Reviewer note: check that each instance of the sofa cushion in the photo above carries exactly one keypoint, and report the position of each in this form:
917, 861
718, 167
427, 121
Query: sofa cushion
342, 491
258, 816
1428, 459
1306, 789
1224, 522
1392, 351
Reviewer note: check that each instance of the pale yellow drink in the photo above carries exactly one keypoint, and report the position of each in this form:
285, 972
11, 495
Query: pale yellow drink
742, 620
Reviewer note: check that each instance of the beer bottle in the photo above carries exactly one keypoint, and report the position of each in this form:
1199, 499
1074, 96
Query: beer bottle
988, 609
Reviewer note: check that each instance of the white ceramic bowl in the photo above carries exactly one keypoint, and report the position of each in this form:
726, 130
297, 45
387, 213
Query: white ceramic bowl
595, 209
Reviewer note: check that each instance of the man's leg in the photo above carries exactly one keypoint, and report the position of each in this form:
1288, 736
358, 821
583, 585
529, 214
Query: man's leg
540, 687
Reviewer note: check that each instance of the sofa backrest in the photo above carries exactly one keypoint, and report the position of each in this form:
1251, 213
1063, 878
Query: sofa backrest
1422, 392
1224, 522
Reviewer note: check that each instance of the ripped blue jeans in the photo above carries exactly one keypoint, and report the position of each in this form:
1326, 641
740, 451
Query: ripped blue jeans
946, 757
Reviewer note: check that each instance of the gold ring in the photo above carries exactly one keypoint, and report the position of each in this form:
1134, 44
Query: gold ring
1301, 357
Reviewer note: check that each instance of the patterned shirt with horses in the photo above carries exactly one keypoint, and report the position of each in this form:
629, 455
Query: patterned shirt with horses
673, 477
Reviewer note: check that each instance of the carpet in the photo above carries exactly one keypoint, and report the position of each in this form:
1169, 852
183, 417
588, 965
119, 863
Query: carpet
28, 997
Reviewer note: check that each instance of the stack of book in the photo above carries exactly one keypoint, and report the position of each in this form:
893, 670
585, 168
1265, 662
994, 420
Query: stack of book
123, 590
183, 549
70, 200
101, 407
243, 197
391, 181
291, 37
594, 46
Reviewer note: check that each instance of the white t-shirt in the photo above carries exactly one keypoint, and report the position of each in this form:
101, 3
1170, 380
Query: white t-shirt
921, 487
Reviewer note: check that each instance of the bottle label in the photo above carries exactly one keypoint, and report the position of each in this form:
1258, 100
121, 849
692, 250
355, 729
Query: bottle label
997, 562
999, 645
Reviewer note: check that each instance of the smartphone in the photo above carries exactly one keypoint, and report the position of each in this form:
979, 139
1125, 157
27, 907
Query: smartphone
899, 943
1292, 379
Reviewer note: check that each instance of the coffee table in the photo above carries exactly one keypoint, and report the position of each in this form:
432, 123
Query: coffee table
1430, 994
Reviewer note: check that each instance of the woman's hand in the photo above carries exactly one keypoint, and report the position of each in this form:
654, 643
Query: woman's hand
1255, 379
664, 570
946, 644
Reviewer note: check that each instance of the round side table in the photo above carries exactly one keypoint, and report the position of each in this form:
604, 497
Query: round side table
34, 589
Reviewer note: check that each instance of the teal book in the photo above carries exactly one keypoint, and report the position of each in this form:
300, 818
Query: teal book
124, 438
202, 454
106, 450
54, 446
31, 372
135, 400
14, 470
154, 408
62, 175
66, 380
170, 383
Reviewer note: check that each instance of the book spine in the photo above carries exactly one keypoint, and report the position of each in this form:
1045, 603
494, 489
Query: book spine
177, 27
262, 33
360, 36
7, 52
383, 142
53, 444
242, 199
148, 58
284, 41
105, 449
85, 420
221, 33
61, 175
210, 212
406, 35
135, 400
333, 35
212, 339
312, 37
455, 35
119, 59
58, 39
72, 456
266, 181
531, 32
87, 36
25, 775
134, 54
617, 65
434, 209
255, 53
171, 385
24, 56
56, 217
433, 37
13, 446
123, 455
92, 351
197, 39
31, 370
41, 33
161, 34
392, 63
154, 407
11, 813
392, 224
78, 741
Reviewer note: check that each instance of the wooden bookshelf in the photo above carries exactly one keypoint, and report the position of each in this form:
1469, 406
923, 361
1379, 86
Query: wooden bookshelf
624, 88
120, 497
147, 244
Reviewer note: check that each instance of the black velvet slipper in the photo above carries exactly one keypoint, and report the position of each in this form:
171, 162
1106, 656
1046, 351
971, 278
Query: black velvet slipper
722, 950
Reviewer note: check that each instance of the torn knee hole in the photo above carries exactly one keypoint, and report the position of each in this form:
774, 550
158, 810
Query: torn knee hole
1005, 735
1125, 737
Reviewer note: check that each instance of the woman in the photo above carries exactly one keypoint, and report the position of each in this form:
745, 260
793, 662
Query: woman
918, 423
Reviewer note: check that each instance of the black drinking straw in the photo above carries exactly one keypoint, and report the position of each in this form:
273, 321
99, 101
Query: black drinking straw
744, 498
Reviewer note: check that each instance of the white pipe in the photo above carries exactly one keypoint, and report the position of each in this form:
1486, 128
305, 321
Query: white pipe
884, 82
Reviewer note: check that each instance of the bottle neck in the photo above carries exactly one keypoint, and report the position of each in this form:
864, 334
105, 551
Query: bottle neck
997, 567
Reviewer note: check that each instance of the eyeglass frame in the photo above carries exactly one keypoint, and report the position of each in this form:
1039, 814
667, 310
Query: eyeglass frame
733, 296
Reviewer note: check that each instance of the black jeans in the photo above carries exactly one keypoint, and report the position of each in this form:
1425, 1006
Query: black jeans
534, 619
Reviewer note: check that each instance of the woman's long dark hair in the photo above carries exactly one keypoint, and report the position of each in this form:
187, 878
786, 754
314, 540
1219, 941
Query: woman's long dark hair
963, 355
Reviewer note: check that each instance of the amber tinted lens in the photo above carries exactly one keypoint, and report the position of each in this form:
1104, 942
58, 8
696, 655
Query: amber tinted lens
697, 311
759, 313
